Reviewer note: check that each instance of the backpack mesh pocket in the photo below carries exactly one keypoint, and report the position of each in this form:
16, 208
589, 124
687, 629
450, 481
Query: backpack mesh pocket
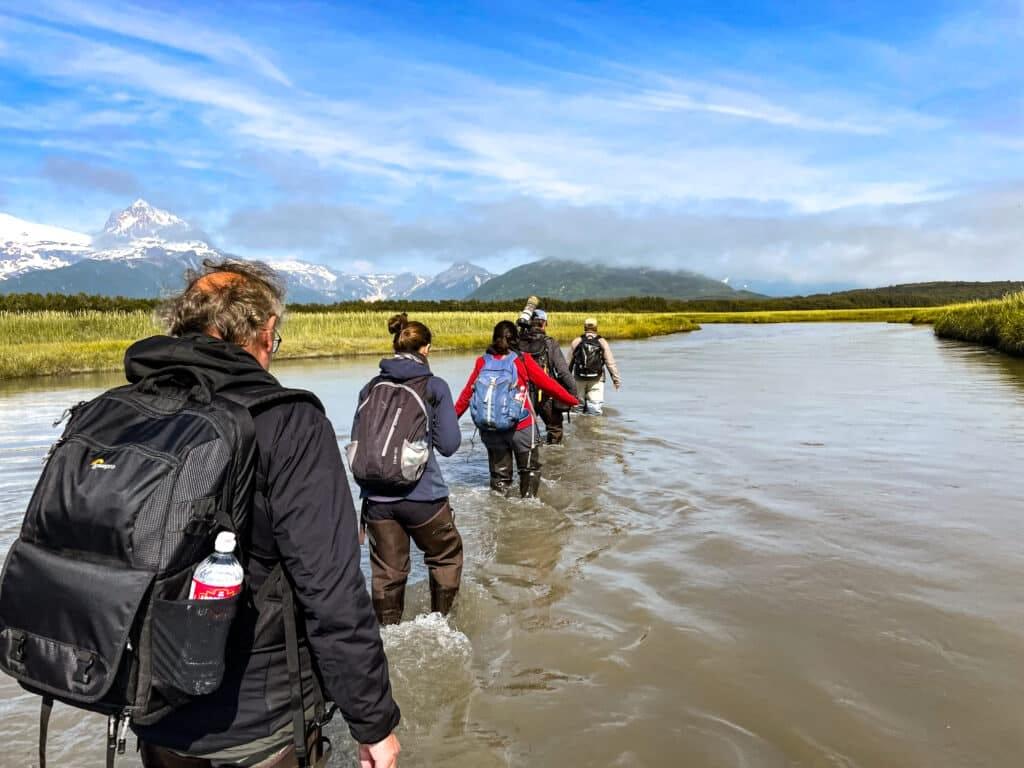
189, 641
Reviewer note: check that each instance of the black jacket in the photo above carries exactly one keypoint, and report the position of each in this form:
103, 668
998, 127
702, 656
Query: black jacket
537, 342
304, 518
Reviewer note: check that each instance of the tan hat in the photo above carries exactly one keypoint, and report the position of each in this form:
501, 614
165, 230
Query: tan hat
590, 323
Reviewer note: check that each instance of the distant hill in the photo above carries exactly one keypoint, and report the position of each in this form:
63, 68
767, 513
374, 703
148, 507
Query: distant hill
916, 294
572, 280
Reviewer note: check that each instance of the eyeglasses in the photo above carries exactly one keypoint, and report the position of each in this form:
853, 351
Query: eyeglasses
277, 342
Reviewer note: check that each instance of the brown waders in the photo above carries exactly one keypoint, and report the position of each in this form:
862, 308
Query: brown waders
276, 757
553, 417
389, 535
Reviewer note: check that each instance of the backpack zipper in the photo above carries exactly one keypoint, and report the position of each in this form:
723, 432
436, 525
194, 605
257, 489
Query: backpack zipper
391, 432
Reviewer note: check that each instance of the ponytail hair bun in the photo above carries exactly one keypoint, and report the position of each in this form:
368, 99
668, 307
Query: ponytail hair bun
397, 323
410, 335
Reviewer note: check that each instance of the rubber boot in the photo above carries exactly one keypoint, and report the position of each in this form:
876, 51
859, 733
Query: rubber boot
529, 483
501, 472
441, 598
389, 569
389, 607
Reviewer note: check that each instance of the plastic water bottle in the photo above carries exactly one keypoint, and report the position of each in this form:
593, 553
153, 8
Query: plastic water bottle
220, 575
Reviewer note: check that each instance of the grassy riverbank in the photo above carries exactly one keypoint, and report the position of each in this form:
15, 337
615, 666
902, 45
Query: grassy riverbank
998, 324
48, 343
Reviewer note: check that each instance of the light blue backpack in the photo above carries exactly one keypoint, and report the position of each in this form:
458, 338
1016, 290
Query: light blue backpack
497, 403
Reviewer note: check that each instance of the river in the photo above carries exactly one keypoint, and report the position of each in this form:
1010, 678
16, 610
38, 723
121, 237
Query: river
785, 545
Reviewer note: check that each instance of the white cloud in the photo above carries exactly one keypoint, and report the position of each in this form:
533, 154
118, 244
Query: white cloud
172, 30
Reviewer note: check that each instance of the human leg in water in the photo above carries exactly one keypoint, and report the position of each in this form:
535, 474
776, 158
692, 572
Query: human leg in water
389, 567
442, 552
527, 451
499, 458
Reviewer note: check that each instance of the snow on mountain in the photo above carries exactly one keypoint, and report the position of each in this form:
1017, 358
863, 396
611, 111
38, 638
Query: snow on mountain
141, 220
308, 276
154, 248
15, 230
456, 282
26, 246
144, 251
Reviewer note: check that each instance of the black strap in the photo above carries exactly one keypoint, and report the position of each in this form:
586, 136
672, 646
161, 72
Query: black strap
291, 650
44, 725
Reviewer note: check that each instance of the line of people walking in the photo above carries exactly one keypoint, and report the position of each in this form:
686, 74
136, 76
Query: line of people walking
203, 439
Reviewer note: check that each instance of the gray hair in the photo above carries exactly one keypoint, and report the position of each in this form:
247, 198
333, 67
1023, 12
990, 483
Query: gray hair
235, 298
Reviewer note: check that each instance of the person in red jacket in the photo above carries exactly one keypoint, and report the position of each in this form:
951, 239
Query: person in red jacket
521, 443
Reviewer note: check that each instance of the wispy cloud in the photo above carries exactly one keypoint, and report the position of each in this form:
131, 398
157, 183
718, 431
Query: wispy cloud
171, 30
243, 116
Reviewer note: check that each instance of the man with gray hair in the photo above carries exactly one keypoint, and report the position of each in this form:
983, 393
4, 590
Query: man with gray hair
590, 356
302, 544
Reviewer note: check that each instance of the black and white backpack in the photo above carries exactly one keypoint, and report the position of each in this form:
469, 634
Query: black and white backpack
93, 608
391, 442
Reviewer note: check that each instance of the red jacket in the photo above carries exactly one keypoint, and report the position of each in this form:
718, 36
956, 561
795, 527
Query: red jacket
529, 373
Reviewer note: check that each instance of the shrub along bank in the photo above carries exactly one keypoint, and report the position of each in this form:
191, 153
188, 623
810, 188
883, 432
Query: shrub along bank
998, 324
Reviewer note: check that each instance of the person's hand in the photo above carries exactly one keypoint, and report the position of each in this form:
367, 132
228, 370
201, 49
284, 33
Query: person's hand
618, 385
383, 754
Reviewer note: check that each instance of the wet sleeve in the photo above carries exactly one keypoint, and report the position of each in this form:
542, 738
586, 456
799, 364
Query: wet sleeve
545, 383
609, 361
467, 391
447, 435
314, 523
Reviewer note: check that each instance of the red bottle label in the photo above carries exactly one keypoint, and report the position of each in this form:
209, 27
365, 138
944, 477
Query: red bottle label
202, 591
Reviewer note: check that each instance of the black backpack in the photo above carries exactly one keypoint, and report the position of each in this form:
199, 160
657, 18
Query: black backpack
391, 443
588, 358
93, 608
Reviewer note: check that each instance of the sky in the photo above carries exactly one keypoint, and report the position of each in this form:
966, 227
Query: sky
798, 143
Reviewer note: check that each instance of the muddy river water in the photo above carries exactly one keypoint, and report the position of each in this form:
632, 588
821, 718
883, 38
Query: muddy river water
793, 545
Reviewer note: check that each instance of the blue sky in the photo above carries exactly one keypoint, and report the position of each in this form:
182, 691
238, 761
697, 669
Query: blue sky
826, 142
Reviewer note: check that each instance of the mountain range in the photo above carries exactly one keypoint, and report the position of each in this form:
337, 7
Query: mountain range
143, 252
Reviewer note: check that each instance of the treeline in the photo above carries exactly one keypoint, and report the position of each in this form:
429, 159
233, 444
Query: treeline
912, 295
74, 302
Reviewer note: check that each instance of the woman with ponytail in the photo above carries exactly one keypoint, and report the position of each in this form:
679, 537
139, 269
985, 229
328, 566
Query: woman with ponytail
421, 512
520, 443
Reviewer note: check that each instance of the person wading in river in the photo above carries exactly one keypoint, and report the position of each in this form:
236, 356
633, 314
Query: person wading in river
548, 355
498, 392
224, 328
404, 415
590, 356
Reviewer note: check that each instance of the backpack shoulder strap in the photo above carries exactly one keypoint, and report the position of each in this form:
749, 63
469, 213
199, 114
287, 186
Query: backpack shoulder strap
259, 397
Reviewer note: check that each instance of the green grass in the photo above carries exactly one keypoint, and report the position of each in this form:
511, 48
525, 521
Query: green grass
998, 324
56, 343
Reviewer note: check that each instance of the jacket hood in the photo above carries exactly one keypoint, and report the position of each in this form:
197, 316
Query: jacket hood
404, 367
224, 365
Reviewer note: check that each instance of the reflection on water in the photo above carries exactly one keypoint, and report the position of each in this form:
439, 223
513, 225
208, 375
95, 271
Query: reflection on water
784, 545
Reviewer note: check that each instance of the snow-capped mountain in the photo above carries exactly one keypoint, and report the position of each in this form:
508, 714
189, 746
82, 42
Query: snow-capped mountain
456, 282
305, 276
26, 246
140, 220
144, 252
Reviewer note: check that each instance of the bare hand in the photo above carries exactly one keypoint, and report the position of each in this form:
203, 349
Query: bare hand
383, 754
618, 386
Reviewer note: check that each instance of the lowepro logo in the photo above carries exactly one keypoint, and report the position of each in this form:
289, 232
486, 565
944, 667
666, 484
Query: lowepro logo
101, 464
